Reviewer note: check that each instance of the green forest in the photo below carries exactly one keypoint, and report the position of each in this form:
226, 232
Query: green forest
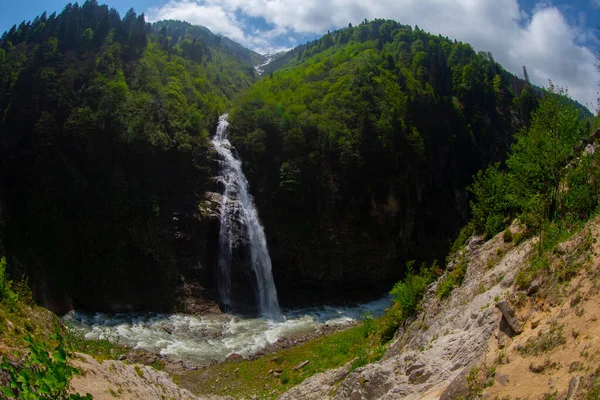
105, 126
358, 147
361, 140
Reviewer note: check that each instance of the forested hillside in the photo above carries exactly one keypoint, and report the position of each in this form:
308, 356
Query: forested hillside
360, 148
105, 154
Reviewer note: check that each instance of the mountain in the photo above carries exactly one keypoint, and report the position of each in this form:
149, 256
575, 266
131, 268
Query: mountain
105, 155
179, 29
359, 147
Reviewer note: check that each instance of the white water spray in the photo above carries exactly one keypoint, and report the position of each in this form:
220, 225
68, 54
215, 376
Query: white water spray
199, 340
237, 207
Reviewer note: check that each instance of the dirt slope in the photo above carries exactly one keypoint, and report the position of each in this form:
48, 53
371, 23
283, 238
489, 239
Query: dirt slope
118, 380
462, 347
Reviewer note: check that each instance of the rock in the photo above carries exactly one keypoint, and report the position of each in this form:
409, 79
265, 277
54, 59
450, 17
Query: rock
317, 386
301, 365
458, 388
534, 324
234, 357
590, 149
419, 376
474, 243
533, 288
507, 282
562, 248
144, 382
503, 340
509, 315
413, 367
502, 379
276, 374
573, 386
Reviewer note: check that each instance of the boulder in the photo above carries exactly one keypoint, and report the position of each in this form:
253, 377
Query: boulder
510, 317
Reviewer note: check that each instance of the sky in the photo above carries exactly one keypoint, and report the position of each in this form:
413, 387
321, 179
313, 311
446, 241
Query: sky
554, 39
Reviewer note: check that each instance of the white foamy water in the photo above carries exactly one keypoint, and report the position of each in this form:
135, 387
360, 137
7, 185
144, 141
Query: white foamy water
238, 209
198, 340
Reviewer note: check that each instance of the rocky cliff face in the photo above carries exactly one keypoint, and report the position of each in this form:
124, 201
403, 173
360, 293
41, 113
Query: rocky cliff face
441, 344
160, 257
490, 338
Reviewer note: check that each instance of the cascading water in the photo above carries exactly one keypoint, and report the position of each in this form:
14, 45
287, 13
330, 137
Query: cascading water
237, 207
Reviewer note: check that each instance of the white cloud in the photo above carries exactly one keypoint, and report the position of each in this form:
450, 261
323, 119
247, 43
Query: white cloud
544, 41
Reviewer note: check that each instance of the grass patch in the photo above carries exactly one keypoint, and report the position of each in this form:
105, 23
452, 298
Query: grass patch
138, 371
592, 387
507, 236
453, 278
252, 378
546, 340
548, 263
100, 349
478, 380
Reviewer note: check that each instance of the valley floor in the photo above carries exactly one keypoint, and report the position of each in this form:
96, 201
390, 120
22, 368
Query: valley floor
463, 347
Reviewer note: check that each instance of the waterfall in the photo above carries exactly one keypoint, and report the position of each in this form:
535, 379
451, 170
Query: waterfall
237, 207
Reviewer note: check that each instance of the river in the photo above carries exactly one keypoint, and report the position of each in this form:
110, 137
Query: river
198, 340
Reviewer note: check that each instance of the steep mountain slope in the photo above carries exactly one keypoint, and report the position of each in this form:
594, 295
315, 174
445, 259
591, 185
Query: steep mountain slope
464, 346
105, 156
200, 34
359, 150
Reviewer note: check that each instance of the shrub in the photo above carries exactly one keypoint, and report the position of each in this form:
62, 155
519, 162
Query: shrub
41, 376
508, 235
453, 278
7, 295
465, 232
581, 198
100, 349
408, 292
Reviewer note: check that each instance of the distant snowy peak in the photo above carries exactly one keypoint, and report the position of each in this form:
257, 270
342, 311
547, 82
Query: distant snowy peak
267, 58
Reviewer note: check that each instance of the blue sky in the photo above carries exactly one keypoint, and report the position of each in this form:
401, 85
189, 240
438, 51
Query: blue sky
555, 39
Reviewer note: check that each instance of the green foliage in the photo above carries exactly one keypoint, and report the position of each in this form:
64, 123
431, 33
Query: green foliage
465, 233
7, 296
536, 186
526, 275
40, 376
507, 236
103, 130
408, 293
539, 155
490, 188
341, 139
581, 198
100, 349
406, 296
251, 376
452, 278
